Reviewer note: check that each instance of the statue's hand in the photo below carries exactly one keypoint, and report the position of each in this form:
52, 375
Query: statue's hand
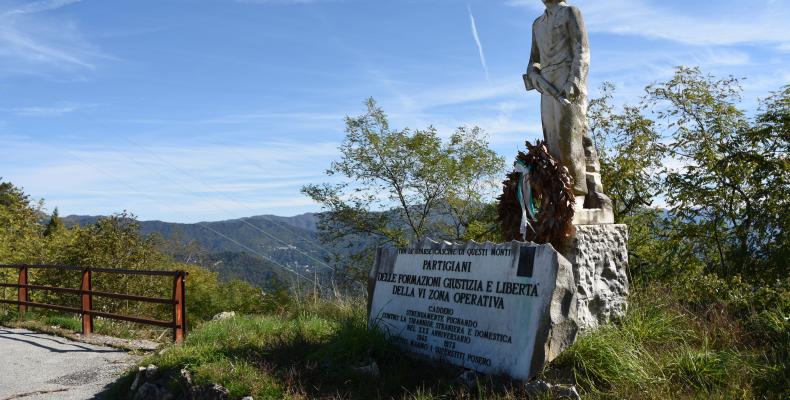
569, 91
533, 77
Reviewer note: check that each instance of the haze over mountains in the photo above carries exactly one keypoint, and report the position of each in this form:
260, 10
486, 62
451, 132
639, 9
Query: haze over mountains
259, 249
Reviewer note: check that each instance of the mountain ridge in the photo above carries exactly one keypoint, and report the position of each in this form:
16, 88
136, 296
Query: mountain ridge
260, 249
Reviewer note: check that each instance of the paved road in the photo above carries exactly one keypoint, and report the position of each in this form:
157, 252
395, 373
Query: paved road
36, 366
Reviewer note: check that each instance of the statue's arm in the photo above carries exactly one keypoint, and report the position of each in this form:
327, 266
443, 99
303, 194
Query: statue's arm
534, 63
577, 81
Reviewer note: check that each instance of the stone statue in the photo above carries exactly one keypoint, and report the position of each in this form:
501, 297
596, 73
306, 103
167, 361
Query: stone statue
558, 66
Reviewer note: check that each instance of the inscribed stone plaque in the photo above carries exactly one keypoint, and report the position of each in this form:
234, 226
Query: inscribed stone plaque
495, 308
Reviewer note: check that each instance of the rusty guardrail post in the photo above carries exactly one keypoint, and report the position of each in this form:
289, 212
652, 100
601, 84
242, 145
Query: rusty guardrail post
87, 302
179, 308
22, 293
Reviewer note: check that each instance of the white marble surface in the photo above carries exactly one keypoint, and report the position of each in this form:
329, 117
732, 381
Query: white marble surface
468, 306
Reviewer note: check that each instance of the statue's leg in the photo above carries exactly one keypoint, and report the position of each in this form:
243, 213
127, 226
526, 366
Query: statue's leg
572, 145
563, 128
551, 125
595, 197
590, 152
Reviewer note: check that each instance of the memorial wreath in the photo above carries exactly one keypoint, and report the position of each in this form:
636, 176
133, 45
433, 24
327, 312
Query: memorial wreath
538, 179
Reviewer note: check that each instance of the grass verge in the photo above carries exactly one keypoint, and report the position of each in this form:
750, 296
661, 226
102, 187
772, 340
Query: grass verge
660, 350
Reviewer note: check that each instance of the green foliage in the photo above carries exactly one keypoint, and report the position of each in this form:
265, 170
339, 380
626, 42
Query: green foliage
722, 175
19, 227
719, 251
112, 242
661, 350
399, 185
733, 181
311, 351
485, 227
55, 225
70, 323
630, 151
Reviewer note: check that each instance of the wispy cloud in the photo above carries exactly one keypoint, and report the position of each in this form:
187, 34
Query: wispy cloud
196, 179
39, 6
477, 42
47, 111
285, 1
33, 43
766, 23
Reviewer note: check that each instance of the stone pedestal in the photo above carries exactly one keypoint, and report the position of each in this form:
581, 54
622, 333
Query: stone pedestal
596, 207
599, 256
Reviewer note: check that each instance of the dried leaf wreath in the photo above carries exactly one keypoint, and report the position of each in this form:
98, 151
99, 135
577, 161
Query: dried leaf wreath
538, 178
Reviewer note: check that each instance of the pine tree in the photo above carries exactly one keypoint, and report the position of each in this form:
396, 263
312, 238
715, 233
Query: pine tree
54, 225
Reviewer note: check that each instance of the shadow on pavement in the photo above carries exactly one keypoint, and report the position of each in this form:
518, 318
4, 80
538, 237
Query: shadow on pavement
28, 336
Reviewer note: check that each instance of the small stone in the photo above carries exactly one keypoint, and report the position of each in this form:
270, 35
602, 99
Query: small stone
221, 391
467, 378
187, 376
210, 392
537, 388
136, 382
150, 371
565, 393
224, 315
247, 398
150, 391
371, 369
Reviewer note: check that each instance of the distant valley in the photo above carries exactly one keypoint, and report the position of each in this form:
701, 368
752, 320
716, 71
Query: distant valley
259, 249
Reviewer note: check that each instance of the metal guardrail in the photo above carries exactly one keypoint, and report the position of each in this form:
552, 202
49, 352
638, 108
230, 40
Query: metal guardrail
86, 311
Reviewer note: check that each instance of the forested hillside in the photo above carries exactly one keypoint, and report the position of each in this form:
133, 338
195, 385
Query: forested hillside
114, 241
259, 249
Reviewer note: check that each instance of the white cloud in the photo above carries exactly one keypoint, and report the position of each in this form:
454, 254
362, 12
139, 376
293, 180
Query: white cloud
477, 43
187, 181
39, 6
32, 42
650, 18
46, 111
285, 1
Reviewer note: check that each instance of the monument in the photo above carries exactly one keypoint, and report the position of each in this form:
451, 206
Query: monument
494, 308
558, 65
510, 308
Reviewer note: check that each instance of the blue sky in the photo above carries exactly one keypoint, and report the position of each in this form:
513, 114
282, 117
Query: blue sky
204, 110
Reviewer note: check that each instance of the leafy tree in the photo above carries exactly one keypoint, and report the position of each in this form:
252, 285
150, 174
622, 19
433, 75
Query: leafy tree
414, 172
720, 241
399, 185
722, 175
54, 225
631, 154
731, 183
19, 228
771, 168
